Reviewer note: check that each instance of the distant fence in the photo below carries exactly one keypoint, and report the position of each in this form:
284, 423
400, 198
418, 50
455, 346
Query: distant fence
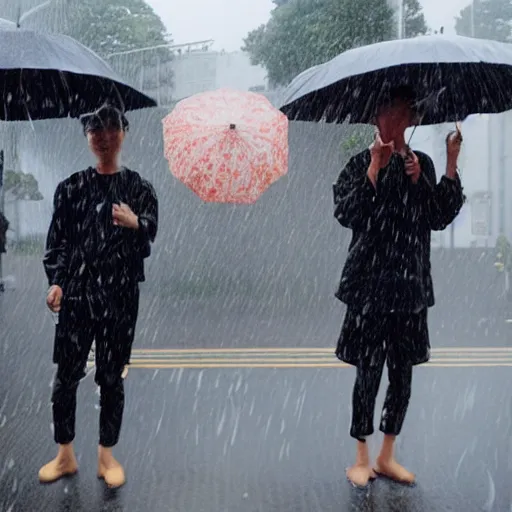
151, 71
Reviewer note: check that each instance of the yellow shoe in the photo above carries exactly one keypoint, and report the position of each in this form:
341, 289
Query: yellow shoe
113, 477
57, 469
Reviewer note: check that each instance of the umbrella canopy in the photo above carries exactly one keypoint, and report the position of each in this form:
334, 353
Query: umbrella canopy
45, 76
452, 77
227, 146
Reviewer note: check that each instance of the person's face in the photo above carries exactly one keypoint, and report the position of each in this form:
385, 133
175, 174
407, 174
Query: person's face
106, 142
395, 116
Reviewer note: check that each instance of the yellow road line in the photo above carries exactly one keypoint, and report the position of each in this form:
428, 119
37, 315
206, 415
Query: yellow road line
164, 366
309, 360
301, 364
301, 358
476, 350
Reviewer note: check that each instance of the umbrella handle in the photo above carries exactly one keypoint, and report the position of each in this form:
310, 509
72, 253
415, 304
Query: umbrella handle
410, 138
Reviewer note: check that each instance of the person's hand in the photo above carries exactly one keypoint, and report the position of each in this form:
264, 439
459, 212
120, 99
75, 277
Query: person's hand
381, 153
54, 298
453, 145
123, 216
412, 166
380, 156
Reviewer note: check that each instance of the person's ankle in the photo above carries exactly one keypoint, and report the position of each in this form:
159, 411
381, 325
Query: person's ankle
384, 460
362, 455
66, 452
104, 452
387, 450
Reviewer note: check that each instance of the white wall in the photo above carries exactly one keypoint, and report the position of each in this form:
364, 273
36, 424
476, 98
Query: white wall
484, 155
196, 72
501, 179
235, 70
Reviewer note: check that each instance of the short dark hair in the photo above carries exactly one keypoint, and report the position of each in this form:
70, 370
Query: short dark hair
105, 116
401, 92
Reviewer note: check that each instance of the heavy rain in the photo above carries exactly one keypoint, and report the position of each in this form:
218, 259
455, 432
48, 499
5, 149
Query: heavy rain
281, 279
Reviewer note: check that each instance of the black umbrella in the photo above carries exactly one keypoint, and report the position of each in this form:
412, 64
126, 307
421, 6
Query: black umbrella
452, 77
45, 76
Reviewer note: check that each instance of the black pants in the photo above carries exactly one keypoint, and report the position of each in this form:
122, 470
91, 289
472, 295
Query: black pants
367, 341
365, 393
110, 321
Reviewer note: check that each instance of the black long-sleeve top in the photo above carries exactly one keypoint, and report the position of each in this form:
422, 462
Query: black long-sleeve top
388, 265
84, 249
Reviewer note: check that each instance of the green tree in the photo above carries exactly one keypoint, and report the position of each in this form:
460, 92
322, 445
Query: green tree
115, 26
23, 186
414, 19
491, 19
304, 33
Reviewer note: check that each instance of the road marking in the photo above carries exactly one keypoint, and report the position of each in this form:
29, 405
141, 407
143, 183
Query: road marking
444, 357
308, 350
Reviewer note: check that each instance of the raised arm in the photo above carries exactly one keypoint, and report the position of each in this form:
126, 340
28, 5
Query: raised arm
444, 199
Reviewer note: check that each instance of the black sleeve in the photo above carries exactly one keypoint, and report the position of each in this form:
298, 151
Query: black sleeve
147, 213
444, 199
56, 258
354, 195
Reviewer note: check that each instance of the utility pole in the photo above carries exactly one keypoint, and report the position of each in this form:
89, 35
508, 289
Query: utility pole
473, 18
401, 24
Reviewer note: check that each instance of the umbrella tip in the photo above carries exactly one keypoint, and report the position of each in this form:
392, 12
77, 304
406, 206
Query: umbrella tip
232, 126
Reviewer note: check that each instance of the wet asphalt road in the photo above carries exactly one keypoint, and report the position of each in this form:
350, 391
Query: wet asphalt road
262, 440
246, 439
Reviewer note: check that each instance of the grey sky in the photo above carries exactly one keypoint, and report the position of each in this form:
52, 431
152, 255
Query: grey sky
228, 21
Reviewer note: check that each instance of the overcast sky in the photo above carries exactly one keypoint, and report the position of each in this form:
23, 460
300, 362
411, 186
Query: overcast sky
227, 22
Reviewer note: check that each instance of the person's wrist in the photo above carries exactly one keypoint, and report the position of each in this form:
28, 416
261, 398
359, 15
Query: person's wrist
451, 168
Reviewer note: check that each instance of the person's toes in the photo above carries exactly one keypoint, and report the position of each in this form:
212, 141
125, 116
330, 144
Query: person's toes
394, 471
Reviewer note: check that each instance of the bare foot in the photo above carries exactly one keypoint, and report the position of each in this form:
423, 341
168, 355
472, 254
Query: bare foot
391, 469
110, 470
58, 468
360, 474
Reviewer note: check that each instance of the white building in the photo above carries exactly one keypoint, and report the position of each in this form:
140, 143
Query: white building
485, 163
197, 72
195, 68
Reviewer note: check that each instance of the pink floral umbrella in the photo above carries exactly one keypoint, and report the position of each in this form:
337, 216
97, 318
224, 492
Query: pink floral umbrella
227, 146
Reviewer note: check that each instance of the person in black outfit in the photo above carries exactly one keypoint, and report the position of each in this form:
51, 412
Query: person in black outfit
4, 227
104, 221
390, 199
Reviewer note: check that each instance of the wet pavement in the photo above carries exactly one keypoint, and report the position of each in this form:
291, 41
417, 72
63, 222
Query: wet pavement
251, 430
262, 440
